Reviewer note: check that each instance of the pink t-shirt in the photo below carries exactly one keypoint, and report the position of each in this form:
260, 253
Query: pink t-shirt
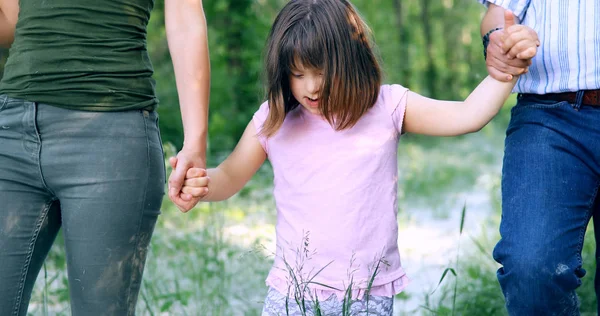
335, 193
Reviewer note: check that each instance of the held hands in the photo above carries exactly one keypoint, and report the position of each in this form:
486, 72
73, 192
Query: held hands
196, 183
510, 50
185, 161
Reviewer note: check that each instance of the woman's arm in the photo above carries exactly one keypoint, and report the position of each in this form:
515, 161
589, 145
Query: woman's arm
9, 12
188, 44
232, 174
449, 118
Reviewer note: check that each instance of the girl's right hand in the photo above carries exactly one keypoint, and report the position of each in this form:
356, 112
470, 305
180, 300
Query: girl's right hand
196, 183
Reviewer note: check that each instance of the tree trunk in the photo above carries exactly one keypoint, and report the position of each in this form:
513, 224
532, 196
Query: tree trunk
430, 72
402, 41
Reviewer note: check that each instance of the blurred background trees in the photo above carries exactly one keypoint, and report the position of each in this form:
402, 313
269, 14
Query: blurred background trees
431, 47
213, 260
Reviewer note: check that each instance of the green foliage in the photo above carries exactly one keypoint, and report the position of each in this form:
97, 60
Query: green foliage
476, 290
431, 47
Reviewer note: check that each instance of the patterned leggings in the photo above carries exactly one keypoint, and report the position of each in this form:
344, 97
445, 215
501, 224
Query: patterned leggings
377, 306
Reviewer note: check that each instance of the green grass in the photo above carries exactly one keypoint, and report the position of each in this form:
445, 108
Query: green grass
213, 260
474, 289
195, 264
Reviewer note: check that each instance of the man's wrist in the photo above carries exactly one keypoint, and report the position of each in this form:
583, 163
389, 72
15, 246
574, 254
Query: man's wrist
486, 40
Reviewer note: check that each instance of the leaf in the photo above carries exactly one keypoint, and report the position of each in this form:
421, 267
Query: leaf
165, 307
462, 217
325, 285
443, 276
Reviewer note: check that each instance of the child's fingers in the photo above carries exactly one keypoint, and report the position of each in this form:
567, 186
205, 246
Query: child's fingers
510, 40
521, 47
528, 53
197, 182
194, 191
518, 34
195, 173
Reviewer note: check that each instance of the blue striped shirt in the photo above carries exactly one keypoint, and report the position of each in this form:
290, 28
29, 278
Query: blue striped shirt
568, 58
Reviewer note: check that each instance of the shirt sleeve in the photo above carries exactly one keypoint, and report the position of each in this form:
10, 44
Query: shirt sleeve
518, 7
259, 118
394, 97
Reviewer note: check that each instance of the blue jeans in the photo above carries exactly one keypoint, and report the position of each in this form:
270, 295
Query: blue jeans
550, 181
99, 176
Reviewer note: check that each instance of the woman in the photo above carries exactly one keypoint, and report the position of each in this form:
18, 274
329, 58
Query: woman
80, 146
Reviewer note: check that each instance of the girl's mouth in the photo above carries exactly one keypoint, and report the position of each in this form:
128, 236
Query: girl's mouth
312, 102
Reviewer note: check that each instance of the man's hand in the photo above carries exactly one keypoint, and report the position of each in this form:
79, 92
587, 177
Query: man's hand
510, 50
185, 160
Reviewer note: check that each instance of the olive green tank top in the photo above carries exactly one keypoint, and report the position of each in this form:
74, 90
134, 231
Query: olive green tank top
82, 54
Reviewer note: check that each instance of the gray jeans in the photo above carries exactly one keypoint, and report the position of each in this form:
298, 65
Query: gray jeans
98, 175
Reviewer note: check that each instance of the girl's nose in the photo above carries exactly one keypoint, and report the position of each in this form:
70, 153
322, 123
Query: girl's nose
313, 85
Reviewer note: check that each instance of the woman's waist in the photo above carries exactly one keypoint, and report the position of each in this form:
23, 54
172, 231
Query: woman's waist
82, 97
80, 85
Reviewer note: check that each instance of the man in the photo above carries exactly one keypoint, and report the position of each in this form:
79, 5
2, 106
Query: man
551, 171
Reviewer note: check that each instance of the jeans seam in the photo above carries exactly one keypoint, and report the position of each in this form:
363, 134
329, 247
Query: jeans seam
137, 234
584, 228
36, 233
39, 149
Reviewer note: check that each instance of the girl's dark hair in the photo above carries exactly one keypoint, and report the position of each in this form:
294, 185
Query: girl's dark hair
328, 35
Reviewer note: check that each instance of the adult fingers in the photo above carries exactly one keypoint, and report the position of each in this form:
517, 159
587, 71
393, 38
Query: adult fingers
499, 75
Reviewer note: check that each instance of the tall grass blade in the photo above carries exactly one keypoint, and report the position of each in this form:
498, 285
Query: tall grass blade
443, 277
479, 246
462, 217
45, 290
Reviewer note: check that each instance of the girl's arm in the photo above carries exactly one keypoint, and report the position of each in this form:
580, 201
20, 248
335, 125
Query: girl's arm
188, 44
449, 118
232, 174
9, 12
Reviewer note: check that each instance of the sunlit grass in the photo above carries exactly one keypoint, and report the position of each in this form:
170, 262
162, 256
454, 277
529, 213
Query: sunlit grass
214, 259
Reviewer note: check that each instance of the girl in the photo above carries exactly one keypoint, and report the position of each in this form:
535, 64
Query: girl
331, 131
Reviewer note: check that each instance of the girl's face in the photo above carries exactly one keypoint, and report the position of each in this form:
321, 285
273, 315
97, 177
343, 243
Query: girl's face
305, 84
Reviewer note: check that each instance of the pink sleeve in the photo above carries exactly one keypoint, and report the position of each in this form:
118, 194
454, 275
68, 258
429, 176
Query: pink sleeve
394, 98
259, 119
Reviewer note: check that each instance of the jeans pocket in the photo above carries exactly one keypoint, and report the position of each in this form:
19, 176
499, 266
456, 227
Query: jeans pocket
162, 149
154, 137
537, 104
